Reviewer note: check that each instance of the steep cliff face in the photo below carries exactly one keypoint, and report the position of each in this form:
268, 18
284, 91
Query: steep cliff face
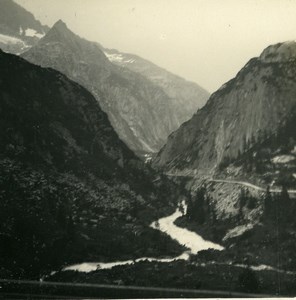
67, 181
19, 29
140, 111
253, 105
186, 97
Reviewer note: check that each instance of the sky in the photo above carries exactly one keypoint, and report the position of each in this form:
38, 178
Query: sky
205, 41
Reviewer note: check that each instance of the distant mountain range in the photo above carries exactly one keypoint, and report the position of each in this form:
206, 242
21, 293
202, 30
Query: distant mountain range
253, 106
143, 102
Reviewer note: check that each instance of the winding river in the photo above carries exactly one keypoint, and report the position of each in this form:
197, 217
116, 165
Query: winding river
189, 239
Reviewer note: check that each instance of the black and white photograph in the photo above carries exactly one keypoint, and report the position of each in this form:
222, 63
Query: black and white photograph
147, 149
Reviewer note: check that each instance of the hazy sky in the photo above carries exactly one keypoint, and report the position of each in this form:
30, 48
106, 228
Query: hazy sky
206, 41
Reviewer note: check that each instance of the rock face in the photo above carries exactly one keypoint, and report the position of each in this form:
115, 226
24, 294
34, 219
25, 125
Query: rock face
186, 97
19, 29
139, 110
281, 52
249, 107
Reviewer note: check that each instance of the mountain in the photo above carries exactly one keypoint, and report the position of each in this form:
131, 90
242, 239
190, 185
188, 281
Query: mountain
19, 29
249, 108
70, 188
239, 154
186, 96
141, 112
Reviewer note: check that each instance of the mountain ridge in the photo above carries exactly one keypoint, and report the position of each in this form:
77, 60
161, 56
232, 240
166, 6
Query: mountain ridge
160, 93
253, 103
177, 88
141, 112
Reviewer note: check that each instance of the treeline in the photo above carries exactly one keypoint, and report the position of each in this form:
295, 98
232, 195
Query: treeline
199, 208
276, 207
279, 208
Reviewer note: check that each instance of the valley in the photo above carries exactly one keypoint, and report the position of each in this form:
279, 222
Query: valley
115, 172
200, 262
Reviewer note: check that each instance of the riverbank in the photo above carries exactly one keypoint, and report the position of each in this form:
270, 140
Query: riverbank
188, 239
191, 274
201, 267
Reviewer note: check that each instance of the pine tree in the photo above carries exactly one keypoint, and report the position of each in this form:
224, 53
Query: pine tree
285, 205
248, 281
200, 206
61, 216
70, 228
189, 213
196, 209
242, 201
268, 204
214, 216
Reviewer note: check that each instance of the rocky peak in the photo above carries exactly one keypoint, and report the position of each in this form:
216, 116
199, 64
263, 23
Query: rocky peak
61, 39
60, 24
281, 52
59, 31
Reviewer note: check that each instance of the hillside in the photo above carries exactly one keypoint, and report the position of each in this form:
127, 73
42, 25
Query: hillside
237, 155
67, 181
143, 109
253, 105
186, 96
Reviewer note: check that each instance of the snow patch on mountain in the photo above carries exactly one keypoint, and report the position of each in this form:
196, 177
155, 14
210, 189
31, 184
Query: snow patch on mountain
33, 33
118, 58
13, 44
7, 39
114, 57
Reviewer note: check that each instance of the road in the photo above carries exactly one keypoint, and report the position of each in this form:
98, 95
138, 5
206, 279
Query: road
243, 183
250, 185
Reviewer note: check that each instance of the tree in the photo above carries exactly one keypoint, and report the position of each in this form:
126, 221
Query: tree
268, 204
70, 228
196, 208
214, 216
189, 213
248, 281
199, 207
181, 208
245, 144
62, 216
285, 206
241, 202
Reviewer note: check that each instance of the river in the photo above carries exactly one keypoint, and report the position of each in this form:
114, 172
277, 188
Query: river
189, 239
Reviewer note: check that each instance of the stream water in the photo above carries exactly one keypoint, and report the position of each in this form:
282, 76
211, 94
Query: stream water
189, 239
